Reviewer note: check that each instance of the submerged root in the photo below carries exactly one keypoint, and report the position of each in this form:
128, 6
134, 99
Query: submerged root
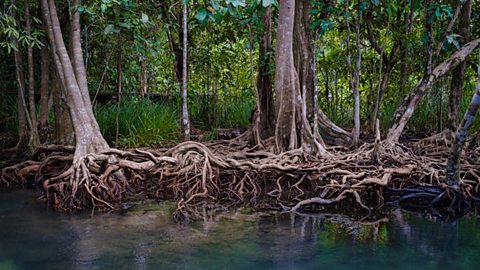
232, 174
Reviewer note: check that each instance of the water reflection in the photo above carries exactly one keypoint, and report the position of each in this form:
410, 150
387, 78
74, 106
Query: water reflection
33, 237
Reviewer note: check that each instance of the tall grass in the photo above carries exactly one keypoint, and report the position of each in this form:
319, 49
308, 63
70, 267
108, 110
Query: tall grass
141, 122
208, 112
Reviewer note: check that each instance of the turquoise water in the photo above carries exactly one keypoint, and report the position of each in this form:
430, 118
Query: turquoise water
34, 237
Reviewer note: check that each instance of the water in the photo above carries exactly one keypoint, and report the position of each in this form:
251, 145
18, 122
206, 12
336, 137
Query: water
34, 237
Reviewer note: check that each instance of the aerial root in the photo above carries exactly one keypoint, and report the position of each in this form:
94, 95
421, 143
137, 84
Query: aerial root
195, 175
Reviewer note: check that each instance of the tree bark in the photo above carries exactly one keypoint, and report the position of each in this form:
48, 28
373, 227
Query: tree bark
143, 78
64, 134
304, 59
453, 163
185, 118
292, 129
44, 93
22, 145
458, 74
354, 73
87, 133
34, 137
406, 109
119, 96
264, 120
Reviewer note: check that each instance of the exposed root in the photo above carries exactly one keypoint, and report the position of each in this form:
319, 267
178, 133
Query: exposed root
231, 174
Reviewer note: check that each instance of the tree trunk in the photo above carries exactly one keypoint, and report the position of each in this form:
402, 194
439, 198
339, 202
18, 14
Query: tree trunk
64, 134
381, 89
22, 145
305, 66
264, 120
292, 129
185, 118
458, 74
87, 133
143, 78
356, 83
354, 73
34, 138
453, 163
406, 109
119, 96
44, 93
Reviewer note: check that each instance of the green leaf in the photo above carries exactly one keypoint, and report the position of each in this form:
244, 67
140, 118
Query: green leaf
237, 3
144, 18
266, 3
109, 29
201, 15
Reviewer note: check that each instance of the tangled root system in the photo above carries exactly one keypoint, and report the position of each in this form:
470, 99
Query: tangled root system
231, 174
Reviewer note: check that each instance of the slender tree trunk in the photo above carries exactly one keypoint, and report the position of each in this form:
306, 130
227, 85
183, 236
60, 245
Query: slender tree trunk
143, 78
356, 82
405, 111
119, 96
185, 118
292, 129
453, 163
44, 92
458, 74
381, 89
87, 133
22, 145
354, 73
34, 138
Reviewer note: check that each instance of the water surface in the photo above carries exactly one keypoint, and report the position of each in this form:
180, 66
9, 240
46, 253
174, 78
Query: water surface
34, 237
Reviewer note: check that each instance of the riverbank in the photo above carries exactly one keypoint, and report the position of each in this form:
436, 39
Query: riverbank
230, 174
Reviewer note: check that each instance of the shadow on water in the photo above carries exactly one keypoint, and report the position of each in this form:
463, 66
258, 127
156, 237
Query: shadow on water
34, 237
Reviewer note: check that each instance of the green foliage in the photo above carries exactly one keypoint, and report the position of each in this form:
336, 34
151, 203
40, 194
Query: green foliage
207, 112
141, 123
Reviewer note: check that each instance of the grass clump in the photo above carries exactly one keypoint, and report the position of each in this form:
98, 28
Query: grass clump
142, 122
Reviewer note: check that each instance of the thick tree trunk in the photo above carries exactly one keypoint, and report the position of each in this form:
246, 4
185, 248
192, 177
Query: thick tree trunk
185, 118
453, 163
64, 134
264, 120
458, 74
303, 54
305, 66
406, 109
87, 133
292, 129
34, 137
